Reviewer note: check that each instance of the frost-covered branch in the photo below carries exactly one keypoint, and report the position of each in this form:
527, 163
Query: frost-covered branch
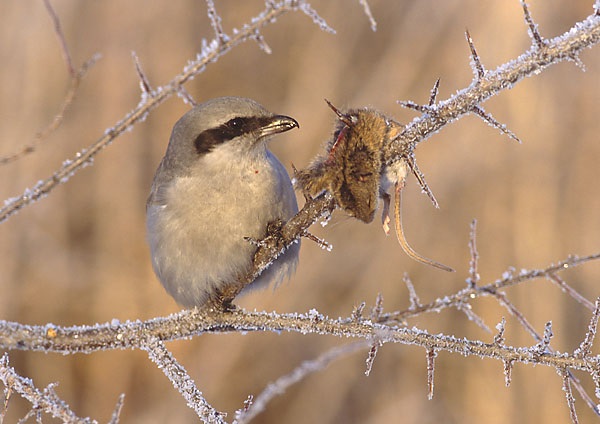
45, 400
210, 53
255, 405
435, 116
487, 83
375, 330
469, 293
75, 76
184, 384
189, 323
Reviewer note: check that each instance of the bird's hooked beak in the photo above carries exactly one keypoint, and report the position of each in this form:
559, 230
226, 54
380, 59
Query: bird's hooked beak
278, 124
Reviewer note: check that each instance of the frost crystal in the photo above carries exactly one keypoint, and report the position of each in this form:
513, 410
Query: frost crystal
315, 315
318, 20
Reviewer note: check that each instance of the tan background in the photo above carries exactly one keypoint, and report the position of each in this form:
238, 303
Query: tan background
79, 256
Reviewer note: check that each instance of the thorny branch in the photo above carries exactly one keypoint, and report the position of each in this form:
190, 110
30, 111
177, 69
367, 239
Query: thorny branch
87, 339
492, 289
485, 84
149, 101
189, 323
159, 354
256, 405
43, 400
75, 76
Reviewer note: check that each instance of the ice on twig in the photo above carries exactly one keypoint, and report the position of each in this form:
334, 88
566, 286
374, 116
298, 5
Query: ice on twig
490, 120
476, 65
367, 10
431, 354
532, 30
415, 302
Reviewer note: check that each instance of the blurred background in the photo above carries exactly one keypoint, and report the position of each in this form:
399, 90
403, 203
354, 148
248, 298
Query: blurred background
80, 256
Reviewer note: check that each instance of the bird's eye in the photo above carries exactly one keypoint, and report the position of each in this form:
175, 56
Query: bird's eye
236, 123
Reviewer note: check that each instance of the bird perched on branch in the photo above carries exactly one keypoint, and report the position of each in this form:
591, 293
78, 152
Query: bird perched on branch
215, 193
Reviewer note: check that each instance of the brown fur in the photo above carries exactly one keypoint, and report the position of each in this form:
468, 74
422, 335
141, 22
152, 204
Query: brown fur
350, 167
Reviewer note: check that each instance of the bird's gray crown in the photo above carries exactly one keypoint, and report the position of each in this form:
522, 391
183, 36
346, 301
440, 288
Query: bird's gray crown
217, 122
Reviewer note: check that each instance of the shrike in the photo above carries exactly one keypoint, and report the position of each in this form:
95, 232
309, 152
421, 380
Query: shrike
217, 186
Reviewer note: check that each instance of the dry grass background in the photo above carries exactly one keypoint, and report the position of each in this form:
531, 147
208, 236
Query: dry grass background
79, 256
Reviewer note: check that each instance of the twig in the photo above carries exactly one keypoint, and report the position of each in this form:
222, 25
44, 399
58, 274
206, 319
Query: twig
491, 289
474, 278
533, 30
570, 291
61, 38
431, 354
210, 53
367, 10
279, 386
478, 69
566, 383
75, 76
45, 400
189, 323
165, 361
567, 46
114, 418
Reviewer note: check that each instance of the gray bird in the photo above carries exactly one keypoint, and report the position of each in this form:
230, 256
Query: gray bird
216, 186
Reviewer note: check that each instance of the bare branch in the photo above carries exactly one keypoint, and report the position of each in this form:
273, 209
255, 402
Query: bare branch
583, 35
492, 289
478, 69
431, 354
467, 309
489, 119
367, 10
473, 279
412, 164
58, 118
429, 107
259, 403
186, 96
322, 243
415, 302
144, 82
499, 338
61, 38
260, 40
571, 291
585, 348
189, 323
529, 328
114, 419
371, 357
434, 92
75, 77
533, 30
7, 395
566, 383
544, 345
45, 400
378, 308
215, 20
312, 14
180, 379
357, 312
210, 53
508, 367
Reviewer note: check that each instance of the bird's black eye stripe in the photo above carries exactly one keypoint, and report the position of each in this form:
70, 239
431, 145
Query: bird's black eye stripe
231, 129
